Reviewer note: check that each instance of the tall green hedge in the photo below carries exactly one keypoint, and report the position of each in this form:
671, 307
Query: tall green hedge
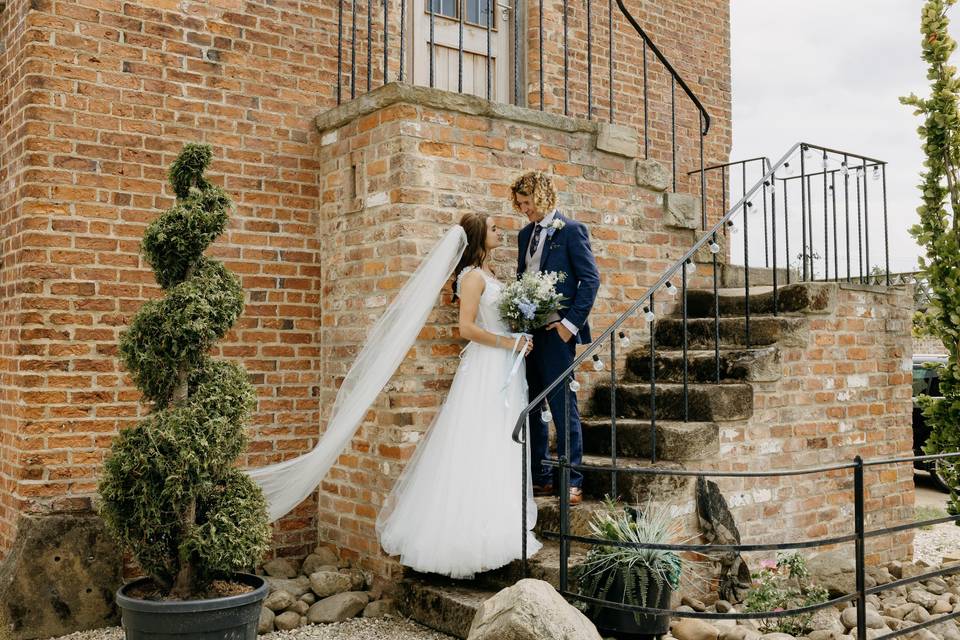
938, 232
170, 492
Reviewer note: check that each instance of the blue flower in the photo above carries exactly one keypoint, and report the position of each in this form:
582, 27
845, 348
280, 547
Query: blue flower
527, 308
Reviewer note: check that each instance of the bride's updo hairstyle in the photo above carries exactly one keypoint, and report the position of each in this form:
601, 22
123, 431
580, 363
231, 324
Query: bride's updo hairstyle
475, 225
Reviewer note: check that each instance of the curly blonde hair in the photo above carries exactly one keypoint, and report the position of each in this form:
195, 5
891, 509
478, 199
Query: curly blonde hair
538, 185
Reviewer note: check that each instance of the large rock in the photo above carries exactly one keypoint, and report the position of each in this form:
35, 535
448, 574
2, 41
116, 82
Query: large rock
653, 175
530, 610
60, 576
328, 583
338, 608
326, 555
874, 619
739, 633
313, 563
280, 568
836, 572
693, 629
681, 210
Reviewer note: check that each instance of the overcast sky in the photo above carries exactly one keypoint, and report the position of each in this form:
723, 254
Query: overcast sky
830, 73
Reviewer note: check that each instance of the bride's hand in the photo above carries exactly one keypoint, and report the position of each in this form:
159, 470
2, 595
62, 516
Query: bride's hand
528, 346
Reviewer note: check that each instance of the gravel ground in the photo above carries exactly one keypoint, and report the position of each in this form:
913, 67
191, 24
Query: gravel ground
928, 545
356, 629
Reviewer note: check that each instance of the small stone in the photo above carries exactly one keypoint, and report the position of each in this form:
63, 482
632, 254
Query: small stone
776, 636
296, 587
288, 620
849, 619
279, 601
326, 555
942, 606
922, 597
265, 624
280, 568
313, 563
739, 633
723, 606
824, 634
299, 607
693, 603
692, 629
338, 608
918, 615
309, 597
328, 583
899, 611
380, 608
936, 586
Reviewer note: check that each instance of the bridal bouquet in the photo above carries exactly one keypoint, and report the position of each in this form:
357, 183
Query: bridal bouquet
529, 302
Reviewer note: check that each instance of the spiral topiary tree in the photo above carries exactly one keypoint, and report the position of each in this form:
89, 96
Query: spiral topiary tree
171, 494
939, 230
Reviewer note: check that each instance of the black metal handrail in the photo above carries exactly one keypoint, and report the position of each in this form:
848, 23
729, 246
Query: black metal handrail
859, 537
764, 187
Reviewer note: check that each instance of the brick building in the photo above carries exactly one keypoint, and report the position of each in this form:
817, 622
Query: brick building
336, 204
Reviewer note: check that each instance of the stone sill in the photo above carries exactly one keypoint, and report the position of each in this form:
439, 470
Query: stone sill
397, 92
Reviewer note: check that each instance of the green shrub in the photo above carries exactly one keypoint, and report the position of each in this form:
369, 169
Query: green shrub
170, 492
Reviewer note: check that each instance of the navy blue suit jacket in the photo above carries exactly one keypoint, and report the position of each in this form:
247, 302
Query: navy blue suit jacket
568, 250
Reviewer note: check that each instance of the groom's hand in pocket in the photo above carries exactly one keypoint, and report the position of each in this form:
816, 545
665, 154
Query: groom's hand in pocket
565, 333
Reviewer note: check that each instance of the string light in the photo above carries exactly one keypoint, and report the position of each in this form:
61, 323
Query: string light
844, 169
790, 170
671, 290
714, 247
624, 340
574, 385
648, 314
597, 363
691, 267
876, 172
824, 161
732, 227
545, 414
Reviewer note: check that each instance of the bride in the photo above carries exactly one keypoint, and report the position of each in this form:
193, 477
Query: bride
456, 509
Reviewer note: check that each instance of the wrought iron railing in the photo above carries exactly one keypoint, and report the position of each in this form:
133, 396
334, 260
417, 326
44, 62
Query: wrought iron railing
774, 249
393, 40
859, 537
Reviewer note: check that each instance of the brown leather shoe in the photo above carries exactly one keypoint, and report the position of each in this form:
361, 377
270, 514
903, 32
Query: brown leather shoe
541, 490
576, 495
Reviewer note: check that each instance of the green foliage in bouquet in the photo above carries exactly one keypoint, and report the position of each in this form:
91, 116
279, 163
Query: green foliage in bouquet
782, 585
939, 231
645, 573
528, 303
170, 492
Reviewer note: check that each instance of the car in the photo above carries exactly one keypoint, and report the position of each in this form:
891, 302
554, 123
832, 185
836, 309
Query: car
926, 381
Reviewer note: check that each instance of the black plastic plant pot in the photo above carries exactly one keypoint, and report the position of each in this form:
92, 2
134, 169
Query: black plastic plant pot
228, 618
623, 625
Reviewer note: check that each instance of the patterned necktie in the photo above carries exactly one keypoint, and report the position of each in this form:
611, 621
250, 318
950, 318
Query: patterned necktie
535, 241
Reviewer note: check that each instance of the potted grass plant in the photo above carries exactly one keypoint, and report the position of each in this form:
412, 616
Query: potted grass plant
170, 491
630, 575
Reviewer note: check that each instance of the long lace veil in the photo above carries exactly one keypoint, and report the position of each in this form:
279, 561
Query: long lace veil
287, 483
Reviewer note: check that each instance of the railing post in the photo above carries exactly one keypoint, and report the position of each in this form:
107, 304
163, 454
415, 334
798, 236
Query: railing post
860, 552
523, 496
565, 491
613, 416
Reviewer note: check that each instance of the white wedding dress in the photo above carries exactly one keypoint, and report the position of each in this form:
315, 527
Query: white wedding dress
456, 508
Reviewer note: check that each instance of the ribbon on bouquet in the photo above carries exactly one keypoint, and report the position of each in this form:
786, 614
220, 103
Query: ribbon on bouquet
518, 353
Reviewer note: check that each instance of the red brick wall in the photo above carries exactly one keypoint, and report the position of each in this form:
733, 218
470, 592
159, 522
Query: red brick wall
97, 98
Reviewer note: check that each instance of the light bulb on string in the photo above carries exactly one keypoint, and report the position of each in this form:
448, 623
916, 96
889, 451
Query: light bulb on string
790, 170
671, 290
844, 169
732, 228
691, 267
648, 314
807, 154
597, 363
824, 161
545, 414
574, 385
876, 172
624, 340
714, 247
771, 185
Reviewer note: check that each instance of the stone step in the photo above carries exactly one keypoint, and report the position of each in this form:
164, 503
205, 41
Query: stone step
764, 330
635, 488
761, 364
734, 275
448, 606
544, 565
706, 402
675, 440
807, 298
548, 516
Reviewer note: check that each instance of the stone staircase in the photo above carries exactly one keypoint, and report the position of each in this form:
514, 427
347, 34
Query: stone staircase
449, 605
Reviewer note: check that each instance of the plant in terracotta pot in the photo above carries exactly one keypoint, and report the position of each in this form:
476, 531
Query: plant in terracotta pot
171, 493
631, 575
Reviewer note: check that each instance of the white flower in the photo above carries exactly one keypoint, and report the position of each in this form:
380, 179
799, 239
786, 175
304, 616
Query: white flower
558, 224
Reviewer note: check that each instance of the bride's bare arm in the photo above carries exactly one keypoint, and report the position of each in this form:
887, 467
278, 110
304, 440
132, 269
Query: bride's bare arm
471, 288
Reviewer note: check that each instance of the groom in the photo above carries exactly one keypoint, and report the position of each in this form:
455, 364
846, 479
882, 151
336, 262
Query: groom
552, 242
